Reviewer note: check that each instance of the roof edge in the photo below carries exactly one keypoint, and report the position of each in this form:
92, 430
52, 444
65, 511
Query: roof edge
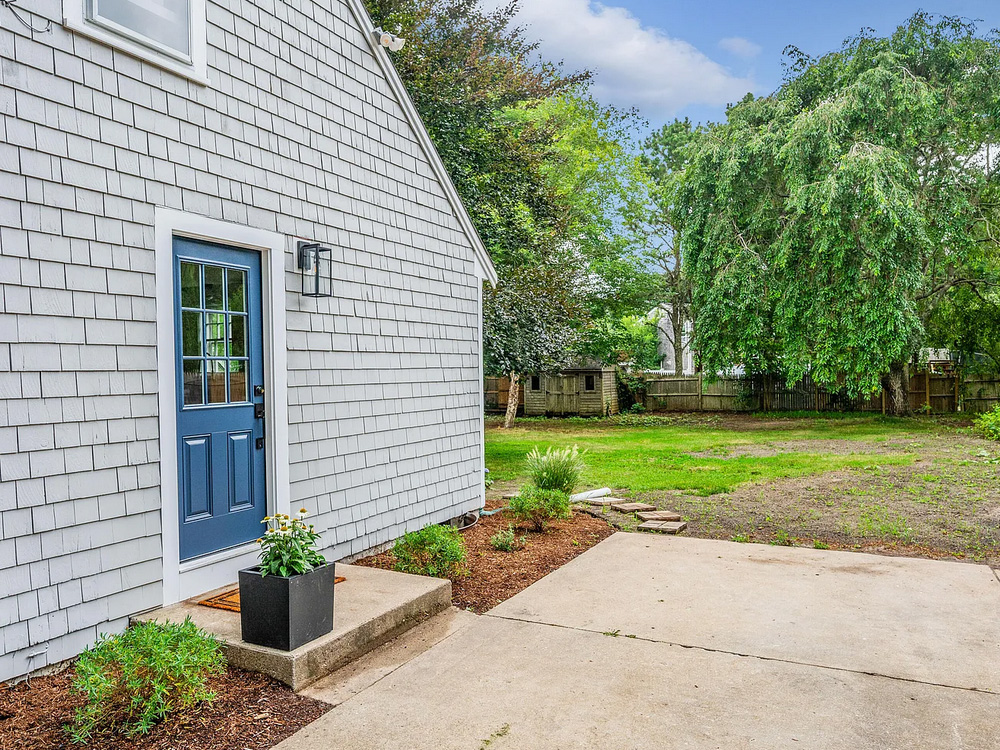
483, 261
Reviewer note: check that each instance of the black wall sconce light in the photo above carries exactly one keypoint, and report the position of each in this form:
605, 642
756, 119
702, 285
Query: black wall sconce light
316, 264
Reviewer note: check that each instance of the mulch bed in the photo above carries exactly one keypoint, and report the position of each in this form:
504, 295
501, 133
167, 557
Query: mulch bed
496, 576
250, 712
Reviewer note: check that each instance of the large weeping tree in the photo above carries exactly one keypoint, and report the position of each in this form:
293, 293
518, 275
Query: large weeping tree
826, 225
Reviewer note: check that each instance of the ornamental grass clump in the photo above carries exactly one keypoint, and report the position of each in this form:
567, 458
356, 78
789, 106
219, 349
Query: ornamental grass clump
558, 469
537, 506
288, 547
437, 551
132, 681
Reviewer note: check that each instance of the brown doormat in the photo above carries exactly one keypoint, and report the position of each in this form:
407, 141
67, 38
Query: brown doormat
230, 600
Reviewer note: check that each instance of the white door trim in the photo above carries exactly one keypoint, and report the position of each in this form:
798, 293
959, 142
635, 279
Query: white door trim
182, 581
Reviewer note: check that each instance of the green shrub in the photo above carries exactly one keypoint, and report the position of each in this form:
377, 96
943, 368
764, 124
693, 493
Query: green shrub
437, 551
538, 506
134, 680
506, 540
989, 423
558, 469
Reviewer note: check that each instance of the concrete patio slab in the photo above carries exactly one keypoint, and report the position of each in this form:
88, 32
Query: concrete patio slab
528, 686
650, 642
924, 620
371, 607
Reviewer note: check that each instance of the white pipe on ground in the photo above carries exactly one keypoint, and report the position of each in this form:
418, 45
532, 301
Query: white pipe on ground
590, 495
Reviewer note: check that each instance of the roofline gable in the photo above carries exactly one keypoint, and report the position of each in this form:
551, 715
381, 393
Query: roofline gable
485, 265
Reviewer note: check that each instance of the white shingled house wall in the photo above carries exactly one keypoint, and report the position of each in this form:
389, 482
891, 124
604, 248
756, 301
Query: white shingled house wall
152, 161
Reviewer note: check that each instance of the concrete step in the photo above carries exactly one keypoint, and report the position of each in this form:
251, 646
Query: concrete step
359, 675
371, 607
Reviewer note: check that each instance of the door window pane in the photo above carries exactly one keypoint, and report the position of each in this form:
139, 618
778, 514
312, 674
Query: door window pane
236, 290
237, 336
215, 334
190, 285
214, 287
191, 333
237, 380
166, 22
193, 379
216, 381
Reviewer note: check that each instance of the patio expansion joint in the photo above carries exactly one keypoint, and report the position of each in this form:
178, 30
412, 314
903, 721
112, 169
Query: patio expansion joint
708, 649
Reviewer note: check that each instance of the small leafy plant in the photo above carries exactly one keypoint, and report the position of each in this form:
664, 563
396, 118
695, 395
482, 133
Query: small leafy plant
288, 547
538, 506
558, 469
437, 551
132, 681
506, 540
988, 423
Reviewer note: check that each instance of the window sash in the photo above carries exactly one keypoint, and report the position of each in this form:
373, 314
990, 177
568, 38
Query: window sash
93, 15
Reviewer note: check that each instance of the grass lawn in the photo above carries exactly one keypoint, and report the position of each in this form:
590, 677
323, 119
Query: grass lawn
917, 486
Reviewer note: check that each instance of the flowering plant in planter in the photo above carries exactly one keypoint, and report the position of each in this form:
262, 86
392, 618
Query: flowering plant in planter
287, 599
288, 547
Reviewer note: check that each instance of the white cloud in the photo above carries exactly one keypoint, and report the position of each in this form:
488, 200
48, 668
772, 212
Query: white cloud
737, 45
634, 65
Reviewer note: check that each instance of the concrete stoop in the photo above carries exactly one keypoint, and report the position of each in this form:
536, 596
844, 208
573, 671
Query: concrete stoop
371, 607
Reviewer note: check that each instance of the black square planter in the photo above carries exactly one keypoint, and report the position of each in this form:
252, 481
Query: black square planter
285, 613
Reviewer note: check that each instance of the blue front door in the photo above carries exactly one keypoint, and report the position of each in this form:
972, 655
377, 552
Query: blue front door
220, 396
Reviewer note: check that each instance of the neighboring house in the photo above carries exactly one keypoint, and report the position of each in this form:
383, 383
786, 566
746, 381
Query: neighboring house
666, 345
940, 361
589, 390
164, 381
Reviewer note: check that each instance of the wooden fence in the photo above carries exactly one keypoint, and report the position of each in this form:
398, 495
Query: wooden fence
935, 392
944, 393
980, 393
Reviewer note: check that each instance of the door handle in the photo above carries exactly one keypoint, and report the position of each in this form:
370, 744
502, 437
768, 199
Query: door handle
258, 413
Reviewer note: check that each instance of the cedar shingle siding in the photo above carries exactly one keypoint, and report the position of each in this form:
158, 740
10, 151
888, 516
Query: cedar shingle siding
297, 133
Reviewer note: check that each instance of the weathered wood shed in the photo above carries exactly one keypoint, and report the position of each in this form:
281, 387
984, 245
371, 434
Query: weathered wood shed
587, 391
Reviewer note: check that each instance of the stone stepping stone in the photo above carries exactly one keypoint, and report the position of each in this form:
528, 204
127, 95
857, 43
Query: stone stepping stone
625, 507
663, 527
510, 495
603, 502
660, 515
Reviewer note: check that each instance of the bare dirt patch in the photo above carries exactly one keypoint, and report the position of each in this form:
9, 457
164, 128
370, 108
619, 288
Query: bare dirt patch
251, 712
946, 504
495, 576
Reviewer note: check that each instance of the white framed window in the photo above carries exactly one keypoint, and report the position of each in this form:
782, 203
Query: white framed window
168, 33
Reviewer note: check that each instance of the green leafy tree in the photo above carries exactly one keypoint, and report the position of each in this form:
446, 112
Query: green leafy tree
825, 226
631, 340
665, 155
544, 171
528, 331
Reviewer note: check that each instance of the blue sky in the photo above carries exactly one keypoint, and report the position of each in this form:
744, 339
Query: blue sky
689, 58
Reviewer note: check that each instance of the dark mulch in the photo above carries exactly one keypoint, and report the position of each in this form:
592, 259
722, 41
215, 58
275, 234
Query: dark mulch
496, 576
250, 712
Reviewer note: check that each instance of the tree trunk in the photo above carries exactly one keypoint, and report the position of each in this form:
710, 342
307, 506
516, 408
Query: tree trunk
512, 399
677, 324
896, 384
